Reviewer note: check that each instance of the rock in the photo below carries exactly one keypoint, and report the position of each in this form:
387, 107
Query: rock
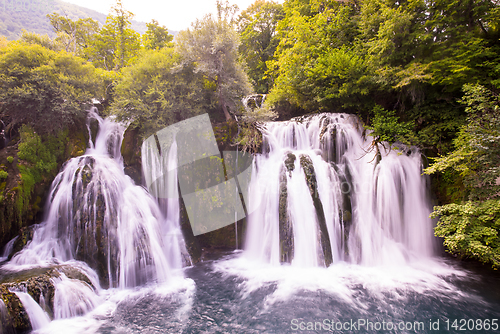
18, 209
346, 210
14, 317
285, 225
290, 162
131, 153
36, 282
324, 239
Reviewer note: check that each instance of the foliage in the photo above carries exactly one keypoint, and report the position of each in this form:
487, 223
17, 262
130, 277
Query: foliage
472, 228
157, 91
74, 35
477, 150
386, 127
211, 46
156, 37
315, 64
45, 89
10, 159
16, 16
3, 174
116, 45
257, 27
42, 40
251, 125
38, 161
411, 56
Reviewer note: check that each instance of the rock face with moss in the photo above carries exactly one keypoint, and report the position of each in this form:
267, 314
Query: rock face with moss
345, 213
131, 153
285, 225
91, 243
28, 165
324, 240
39, 284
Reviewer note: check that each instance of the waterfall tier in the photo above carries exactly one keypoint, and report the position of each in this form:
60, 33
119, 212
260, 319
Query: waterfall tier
96, 214
320, 195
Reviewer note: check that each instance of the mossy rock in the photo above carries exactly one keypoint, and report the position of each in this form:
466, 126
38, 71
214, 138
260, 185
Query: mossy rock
16, 318
324, 239
285, 226
37, 282
131, 153
290, 162
94, 129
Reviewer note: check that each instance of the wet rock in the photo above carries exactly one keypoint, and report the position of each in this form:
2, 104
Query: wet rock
131, 153
346, 189
38, 283
14, 316
307, 166
25, 236
285, 225
290, 162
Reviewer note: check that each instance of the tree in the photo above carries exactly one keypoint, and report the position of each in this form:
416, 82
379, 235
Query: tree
316, 65
472, 228
156, 37
116, 45
74, 35
212, 46
45, 89
42, 40
257, 27
157, 91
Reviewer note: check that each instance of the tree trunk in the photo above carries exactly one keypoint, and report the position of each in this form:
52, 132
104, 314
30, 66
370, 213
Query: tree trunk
222, 103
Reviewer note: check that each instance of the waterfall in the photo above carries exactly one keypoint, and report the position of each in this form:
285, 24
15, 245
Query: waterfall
319, 195
96, 214
72, 297
153, 166
38, 317
9, 247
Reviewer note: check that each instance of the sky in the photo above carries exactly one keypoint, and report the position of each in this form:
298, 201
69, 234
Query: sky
174, 14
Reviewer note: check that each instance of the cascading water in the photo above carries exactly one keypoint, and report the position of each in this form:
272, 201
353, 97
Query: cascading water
97, 214
38, 317
9, 247
319, 195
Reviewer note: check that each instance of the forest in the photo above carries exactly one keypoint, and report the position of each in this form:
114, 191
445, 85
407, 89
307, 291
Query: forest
416, 72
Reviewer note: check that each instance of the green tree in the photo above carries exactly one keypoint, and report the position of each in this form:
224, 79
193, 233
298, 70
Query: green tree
471, 228
74, 35
42, 40
116, 45
257, 26
156, 37
316, 65
211, 45
45, 89
157, 91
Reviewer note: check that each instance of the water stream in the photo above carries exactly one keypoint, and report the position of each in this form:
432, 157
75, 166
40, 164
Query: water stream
338, 232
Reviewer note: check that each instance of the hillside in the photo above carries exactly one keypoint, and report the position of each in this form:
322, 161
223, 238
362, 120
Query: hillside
16, 15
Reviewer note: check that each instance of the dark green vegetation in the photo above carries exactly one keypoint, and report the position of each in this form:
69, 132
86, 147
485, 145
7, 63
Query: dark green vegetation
415, 72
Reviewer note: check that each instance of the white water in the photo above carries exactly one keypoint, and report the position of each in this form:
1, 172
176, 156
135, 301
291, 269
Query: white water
38, 317
97, 214
9, 247
388, 202
153, 166
73, 297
